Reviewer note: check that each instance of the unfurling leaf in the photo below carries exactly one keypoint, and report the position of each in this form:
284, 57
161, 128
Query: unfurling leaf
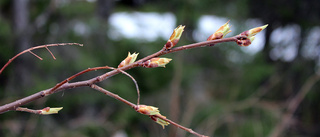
221, 32
48, 110
130, 59
160, 121
175, 37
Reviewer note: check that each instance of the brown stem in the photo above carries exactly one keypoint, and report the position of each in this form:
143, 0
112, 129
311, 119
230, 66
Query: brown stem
96, 87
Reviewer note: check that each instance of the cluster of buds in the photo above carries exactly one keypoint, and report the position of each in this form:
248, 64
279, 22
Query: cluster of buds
220, 33
175, 37
130, 59
48, 110
151, 112
250, 34
156, 62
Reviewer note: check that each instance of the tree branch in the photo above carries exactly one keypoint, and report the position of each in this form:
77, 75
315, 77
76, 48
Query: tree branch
64, 85
92, 82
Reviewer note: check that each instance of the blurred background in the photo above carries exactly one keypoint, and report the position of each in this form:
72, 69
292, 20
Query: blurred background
268, 89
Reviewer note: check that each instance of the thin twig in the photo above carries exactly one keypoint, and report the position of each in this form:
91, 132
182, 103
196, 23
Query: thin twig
51, 53
293, 105
74, 76
35, 55
28, 110
115, 96
33, 48
135, 82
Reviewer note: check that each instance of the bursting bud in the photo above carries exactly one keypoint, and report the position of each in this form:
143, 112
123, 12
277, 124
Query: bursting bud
245, 42
48, 110
250, 35
221, 32
254, 31
147, 110
160, 121
156, 62
130, 59
175, 37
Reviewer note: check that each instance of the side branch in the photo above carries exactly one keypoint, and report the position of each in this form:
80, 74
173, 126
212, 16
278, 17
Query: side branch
115, 96
135, 106
37, 47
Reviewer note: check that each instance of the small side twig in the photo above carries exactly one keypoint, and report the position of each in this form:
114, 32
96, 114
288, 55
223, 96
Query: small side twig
37, 47
115, 96
44, 111
135, 82
293, 104
28, 110
35, 55
51, 53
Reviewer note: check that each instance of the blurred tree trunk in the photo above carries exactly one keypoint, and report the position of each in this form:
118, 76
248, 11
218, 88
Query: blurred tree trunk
22, 68
104, 8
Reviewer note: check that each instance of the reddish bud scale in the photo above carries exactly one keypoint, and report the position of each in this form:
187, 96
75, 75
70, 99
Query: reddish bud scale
214, 36
46, 109
250, 34
169, 45
148, 64
245, 43
246, 33
153, 118
156, 62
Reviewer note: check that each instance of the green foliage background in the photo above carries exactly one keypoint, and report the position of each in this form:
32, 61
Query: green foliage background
201, 88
